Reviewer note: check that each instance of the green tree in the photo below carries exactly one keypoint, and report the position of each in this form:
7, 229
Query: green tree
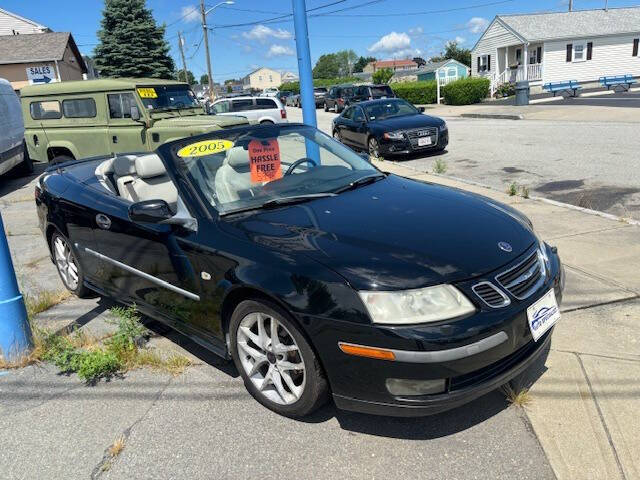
453, 51
204, 79
131, 43
190, 78
346, 62
383, 75
229, 88
327, 66
363, 62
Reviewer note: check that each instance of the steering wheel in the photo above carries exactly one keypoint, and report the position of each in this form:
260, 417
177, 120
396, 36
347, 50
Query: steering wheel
300, 161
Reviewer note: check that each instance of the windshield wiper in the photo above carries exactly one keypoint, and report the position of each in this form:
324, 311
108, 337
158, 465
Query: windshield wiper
278, 202
366, 180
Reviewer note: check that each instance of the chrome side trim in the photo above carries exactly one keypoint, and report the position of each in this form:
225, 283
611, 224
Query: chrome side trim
505, 300
144, 275
438, 356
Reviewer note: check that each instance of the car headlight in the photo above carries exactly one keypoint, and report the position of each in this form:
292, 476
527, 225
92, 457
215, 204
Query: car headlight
393, 135
423, 305
443, 127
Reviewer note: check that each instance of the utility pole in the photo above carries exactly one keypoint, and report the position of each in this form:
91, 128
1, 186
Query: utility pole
570, 5
184, 62
206, 47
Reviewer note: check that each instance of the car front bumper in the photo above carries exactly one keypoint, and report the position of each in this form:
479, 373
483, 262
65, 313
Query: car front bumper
473, 355
404, 147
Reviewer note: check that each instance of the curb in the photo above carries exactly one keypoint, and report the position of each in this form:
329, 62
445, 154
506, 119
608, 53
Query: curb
498, 116
588, 211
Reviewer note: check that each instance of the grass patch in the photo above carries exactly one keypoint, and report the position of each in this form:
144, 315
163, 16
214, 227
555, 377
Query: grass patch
512, 189
439, 166
118, 445
520, 398
44, 300
524, 191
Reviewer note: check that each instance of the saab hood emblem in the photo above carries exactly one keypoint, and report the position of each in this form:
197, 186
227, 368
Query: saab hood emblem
505, 247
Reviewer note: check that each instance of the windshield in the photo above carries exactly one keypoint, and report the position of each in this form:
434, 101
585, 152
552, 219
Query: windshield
163, 97
320, 90
249, 167
383, 91
389, 109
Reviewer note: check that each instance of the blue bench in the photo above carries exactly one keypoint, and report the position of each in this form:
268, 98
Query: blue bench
624, 82
571, 86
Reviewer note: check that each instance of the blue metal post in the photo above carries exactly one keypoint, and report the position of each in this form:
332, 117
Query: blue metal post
304, 72
15, 333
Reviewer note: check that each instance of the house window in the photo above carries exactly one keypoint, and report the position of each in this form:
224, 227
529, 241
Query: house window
518, 56
579, 52
484, 63
270, 78
452, 72
260, 78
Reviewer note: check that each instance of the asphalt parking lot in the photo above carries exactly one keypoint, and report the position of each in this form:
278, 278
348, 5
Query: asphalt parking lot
588, 164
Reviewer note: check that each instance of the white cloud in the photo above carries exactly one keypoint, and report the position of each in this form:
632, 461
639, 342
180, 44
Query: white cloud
477, 24
190, 13
392, 43
414, 32
279, 51
262, 33
460, 40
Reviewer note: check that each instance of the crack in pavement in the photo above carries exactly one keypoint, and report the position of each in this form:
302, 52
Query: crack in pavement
599, 230
601, 304
599, 355
607, 281
107, 459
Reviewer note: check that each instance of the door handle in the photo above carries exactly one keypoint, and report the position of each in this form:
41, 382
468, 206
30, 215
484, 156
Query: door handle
115, 139
103, 221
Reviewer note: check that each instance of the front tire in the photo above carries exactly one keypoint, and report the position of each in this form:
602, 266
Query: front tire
374, 148
326, 107
279, 367
68, 267
26, 167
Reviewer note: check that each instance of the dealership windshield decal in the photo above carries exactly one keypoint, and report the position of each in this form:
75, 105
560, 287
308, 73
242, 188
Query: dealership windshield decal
264, 157
206, 147
147, 93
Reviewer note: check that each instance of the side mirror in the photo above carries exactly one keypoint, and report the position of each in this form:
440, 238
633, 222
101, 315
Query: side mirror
150, 211
421, 109
135, 113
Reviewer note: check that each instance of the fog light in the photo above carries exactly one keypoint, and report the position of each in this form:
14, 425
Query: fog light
400, 386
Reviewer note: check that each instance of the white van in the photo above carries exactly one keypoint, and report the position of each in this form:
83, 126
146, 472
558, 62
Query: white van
12, 147
254, 109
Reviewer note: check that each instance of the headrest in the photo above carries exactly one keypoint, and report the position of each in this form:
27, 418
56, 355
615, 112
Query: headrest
238, 157
124, 165
149, 166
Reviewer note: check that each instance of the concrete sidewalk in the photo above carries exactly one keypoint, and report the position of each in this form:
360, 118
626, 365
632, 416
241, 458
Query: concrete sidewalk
585, 405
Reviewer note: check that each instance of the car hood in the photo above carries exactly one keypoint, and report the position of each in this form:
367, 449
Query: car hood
406, 121
393, 234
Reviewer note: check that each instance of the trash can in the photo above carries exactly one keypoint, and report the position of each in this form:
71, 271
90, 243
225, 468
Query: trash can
522, 93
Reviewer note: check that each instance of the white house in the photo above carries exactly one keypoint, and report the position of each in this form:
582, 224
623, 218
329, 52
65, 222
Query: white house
13, 24
577, 45
262, 78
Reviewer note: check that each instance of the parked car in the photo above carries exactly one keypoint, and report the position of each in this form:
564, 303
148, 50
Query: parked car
390, 127
255, 109
13, 151
372, 92
245, 241
318, 94
283, 95
293, 100
339, 97
71, 120
270, 92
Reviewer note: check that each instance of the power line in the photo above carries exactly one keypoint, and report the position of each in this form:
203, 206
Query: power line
424, 34
426, 12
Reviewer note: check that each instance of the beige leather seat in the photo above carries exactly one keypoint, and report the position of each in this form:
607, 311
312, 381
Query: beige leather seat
144, 177
234, 176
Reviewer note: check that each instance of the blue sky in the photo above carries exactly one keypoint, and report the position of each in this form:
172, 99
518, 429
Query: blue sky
383, 28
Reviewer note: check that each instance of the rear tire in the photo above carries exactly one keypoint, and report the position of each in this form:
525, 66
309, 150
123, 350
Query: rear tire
267, 122
279, 367
26, 167
326, 107
68, 266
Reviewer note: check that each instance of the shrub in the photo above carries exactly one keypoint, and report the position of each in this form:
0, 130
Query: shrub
416, 92
506, 90
382, 76
466, 91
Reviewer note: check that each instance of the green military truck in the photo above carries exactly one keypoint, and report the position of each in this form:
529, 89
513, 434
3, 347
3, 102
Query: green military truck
72, 120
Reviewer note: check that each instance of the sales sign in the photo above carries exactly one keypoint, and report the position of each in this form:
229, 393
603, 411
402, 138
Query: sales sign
41, 74
264, 159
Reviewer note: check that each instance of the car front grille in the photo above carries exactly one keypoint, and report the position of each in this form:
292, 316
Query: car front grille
415, 134
491, 295
525, 278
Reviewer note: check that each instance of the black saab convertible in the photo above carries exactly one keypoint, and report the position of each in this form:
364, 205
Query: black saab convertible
390, 127
318, 274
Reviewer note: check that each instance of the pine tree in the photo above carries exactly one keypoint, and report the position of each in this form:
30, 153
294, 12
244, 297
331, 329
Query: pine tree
131, 43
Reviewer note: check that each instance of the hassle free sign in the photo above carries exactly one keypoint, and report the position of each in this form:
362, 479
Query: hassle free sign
41, 74
264, 159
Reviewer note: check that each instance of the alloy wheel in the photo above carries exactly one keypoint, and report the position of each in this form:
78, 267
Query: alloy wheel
271, 358
374, 148
335, 107
66, 263
336, 136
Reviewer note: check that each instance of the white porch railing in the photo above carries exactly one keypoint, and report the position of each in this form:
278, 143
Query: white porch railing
446, 80
534, 73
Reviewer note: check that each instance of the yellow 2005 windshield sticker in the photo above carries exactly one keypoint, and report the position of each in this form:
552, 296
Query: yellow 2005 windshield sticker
206, 147
147, 93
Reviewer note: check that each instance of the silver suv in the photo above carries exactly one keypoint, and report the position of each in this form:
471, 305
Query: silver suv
255, 109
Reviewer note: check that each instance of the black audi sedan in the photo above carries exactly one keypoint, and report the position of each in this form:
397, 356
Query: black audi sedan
390, 127
317, 274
